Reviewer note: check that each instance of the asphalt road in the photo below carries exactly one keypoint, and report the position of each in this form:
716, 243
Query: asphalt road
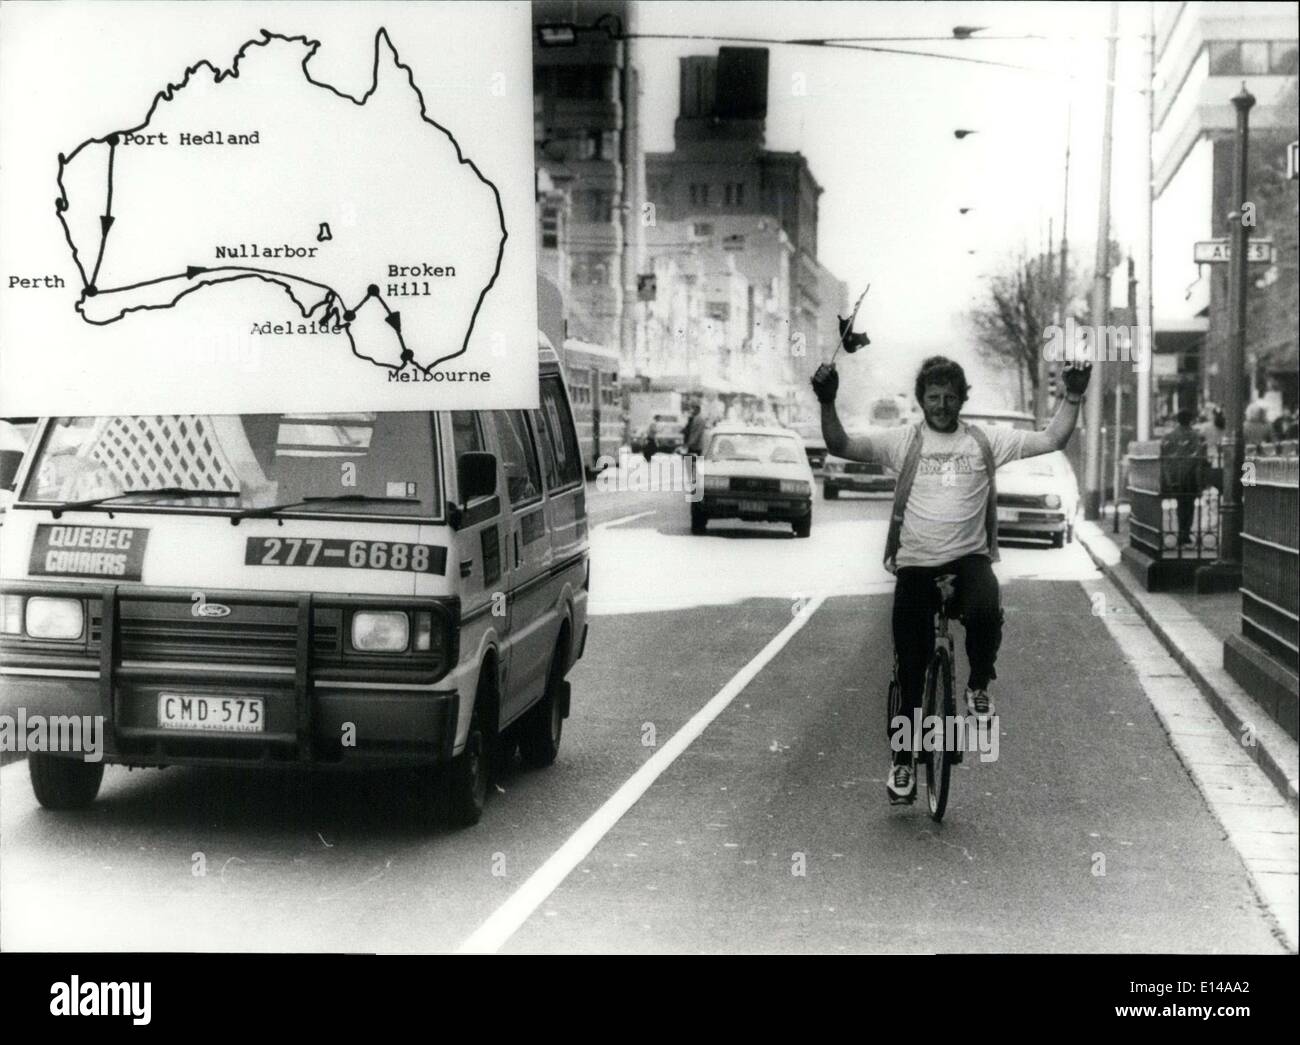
768, 832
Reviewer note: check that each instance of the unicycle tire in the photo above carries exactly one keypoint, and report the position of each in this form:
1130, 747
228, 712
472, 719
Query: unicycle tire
937, 704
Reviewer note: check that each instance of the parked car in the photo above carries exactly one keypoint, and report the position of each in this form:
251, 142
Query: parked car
1038, 497
839, 475
1018, 419
814, 446
663, 435
754, 473
888, 411
319, 626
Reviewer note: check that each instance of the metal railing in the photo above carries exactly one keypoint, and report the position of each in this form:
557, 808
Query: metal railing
1173, 504
1270, 551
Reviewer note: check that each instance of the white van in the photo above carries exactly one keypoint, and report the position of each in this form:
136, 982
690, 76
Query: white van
408, 589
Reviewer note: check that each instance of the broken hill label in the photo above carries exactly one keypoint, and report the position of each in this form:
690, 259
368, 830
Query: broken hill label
88, 551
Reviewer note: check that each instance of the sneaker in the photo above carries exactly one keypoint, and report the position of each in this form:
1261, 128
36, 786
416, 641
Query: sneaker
901, 784
979, 705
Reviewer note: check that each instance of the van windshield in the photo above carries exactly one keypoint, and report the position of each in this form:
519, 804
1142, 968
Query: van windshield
252, 460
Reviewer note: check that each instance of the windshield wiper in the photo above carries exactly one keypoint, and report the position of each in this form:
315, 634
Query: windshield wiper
339, 498
174, 492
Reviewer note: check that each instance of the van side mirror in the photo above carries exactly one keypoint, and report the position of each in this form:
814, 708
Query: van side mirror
476, 473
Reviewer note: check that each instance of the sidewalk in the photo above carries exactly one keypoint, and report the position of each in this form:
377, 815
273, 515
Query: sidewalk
1192, 628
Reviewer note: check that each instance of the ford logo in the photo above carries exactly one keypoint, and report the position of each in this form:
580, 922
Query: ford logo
210, 609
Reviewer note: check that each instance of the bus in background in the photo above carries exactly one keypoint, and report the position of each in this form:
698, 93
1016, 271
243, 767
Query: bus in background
592, 375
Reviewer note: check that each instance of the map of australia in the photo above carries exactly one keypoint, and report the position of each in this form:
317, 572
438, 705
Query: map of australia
364, 210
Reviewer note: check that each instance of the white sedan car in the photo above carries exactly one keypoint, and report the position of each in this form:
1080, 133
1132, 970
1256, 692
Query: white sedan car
1038, 497
753, 473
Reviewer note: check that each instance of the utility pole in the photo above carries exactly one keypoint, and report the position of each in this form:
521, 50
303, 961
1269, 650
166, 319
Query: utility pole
630, 201
1101, 285
1063, 306
1146, 319
1224, 574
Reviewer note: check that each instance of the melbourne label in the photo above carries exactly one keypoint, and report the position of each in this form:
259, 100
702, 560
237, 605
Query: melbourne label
88, 551
356, 555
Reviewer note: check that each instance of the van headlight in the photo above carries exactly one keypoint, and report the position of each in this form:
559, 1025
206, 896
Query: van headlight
380, 631
795, 486
1051, 500
49, 618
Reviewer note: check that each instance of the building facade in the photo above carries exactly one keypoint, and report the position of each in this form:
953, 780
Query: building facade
722, 181
1205, 52
590, 169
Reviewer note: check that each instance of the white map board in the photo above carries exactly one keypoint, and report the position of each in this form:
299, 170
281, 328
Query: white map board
233, 208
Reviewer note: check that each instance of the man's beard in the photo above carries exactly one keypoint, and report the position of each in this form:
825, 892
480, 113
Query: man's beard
951, 427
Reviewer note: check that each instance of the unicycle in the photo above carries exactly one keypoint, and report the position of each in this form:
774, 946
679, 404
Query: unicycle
936, 744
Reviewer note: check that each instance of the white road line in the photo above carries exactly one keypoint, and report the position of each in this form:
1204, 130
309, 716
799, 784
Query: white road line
624, 519
505, 921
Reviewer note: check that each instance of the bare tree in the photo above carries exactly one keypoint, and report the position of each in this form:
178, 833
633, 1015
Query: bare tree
1019, 306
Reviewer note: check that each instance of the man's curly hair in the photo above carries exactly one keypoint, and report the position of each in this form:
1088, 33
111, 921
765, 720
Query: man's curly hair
940, 370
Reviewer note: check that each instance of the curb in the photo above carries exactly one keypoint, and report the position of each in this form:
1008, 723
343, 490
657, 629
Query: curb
1274, 751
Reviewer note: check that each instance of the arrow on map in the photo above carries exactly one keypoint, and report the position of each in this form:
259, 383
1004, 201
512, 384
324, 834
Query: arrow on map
193, 270
394, 320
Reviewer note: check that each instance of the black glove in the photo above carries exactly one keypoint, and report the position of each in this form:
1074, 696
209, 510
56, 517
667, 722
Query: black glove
851, 341
1076, 377
826, 383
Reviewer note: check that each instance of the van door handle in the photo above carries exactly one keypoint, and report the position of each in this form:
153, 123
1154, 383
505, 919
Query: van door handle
518, 557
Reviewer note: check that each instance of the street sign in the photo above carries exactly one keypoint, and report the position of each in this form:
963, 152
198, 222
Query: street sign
1219, 252
1293, 161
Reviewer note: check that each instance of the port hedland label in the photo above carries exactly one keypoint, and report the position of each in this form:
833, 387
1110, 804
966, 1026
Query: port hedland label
383, 231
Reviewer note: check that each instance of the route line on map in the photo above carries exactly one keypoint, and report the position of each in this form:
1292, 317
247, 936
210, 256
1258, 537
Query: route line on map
90, 289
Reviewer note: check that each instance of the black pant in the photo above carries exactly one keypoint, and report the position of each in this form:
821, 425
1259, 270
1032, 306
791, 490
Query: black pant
916, 600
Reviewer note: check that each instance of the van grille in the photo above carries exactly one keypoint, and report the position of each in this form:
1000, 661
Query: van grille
251, 634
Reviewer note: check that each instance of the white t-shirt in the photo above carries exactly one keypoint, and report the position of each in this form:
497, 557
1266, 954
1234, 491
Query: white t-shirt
944, 517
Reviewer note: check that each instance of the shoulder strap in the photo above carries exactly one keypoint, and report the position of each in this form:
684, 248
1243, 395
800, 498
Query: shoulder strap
902, 490
991, 506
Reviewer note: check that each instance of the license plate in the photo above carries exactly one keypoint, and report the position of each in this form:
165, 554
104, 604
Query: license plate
1007, 515
217, 714
753, 506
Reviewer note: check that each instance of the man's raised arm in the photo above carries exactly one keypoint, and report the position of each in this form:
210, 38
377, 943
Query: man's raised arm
826, 385
1057, 433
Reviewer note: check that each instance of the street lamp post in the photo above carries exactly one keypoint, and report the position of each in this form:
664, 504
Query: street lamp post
1100, 286
1224, 574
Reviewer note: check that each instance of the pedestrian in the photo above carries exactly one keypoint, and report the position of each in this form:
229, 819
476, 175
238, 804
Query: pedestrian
1184, 467
693, 440
1255, 429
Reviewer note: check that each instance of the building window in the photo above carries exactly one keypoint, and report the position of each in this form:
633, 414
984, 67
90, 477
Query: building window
1225, 58
593, 205
734, 194
1254, 57
577, 82
699, 194
550, 228
1284, 58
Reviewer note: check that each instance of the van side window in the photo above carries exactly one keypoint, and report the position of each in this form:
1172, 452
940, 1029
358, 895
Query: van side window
523, 483
466, 435
544, 448
559, 429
